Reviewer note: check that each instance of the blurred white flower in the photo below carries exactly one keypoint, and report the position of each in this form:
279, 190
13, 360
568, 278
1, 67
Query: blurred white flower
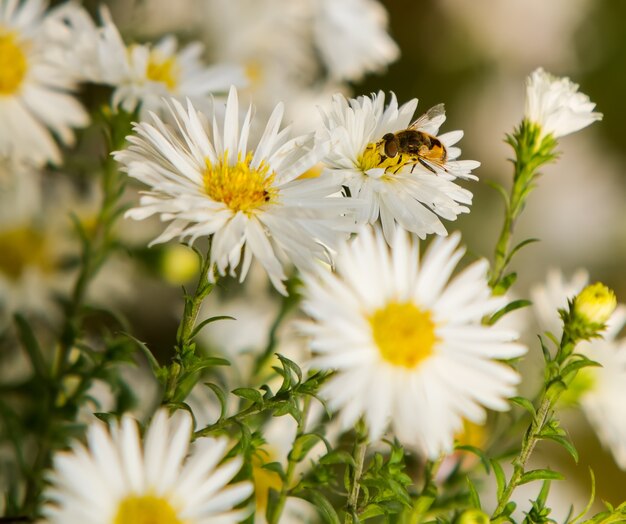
399, 190
119, 479
408, 347
556, 105
142, 74
35, 92
252, 202
600, 391
352, 38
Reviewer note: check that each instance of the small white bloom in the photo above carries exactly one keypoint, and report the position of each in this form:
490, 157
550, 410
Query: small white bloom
118, 479
208, 182
408, 346
602, 389
400, 190
352, 37
556, 105
142, 74
36, 99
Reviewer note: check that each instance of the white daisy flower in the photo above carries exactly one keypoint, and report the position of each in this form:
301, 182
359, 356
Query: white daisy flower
556, 105
409, 351
352, 37
411, 191
208, 182
601, 390
142, 74
118, 479
36, 99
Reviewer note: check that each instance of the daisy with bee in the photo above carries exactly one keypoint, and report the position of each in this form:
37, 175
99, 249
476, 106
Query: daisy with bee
402, 168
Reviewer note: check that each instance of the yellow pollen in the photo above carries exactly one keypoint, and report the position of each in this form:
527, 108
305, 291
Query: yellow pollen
13, 64
146, 509
163, 70
22, 248
405, 335
240, 187
373, 157
313, 172
264, 480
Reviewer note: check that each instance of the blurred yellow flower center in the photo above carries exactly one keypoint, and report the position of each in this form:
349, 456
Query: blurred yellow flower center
13, 64
146, 509
254, 73
163, 70
22, 248
264, 480
404, 334
239, 186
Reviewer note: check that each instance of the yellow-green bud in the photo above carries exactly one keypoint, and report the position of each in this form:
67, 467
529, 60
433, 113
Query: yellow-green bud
595, 304
473, 516
179, 264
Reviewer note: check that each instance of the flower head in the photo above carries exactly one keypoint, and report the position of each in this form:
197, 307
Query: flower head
408, 346
407, 190
556, 105
207, 182
36, 99
118, 479
142, 74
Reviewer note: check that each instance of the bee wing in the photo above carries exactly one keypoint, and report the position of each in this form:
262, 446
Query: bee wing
431, 120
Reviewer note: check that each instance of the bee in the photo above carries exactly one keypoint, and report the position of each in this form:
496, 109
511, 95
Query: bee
414, 145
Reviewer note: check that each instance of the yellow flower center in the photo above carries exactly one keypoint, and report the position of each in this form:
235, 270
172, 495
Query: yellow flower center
145, 509
254, 73
22, 248
264, 480
163, 70
240, 187
405, 335
13, 64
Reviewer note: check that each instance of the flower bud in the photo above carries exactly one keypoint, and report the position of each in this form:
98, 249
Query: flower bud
595, 304
473, 516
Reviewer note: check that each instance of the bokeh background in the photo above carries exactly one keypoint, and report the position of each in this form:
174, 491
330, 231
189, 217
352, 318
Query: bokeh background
473, 56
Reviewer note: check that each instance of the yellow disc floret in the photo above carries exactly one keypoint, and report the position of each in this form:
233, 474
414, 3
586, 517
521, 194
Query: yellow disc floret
239, 186
146, 509
163, 70
405, 335
13, 64
22, 248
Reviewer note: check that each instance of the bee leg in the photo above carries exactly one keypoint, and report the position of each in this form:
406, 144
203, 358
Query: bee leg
426, 165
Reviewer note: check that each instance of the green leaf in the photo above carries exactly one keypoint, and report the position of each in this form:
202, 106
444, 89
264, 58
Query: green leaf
473, 494
157, 370
371, 511
564, 442
524, 403
592, 497
505, 283
579, 363
540, 474
31, 345
501, 190
325, 508
478, 452
500, 478
205, 363
511, 306
304, 444
518, 247
249, 394
207, 321
221, 396
338, 457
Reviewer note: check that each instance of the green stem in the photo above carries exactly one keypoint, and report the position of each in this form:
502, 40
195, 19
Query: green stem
292, 462
185, 349
530, 441
360, 448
